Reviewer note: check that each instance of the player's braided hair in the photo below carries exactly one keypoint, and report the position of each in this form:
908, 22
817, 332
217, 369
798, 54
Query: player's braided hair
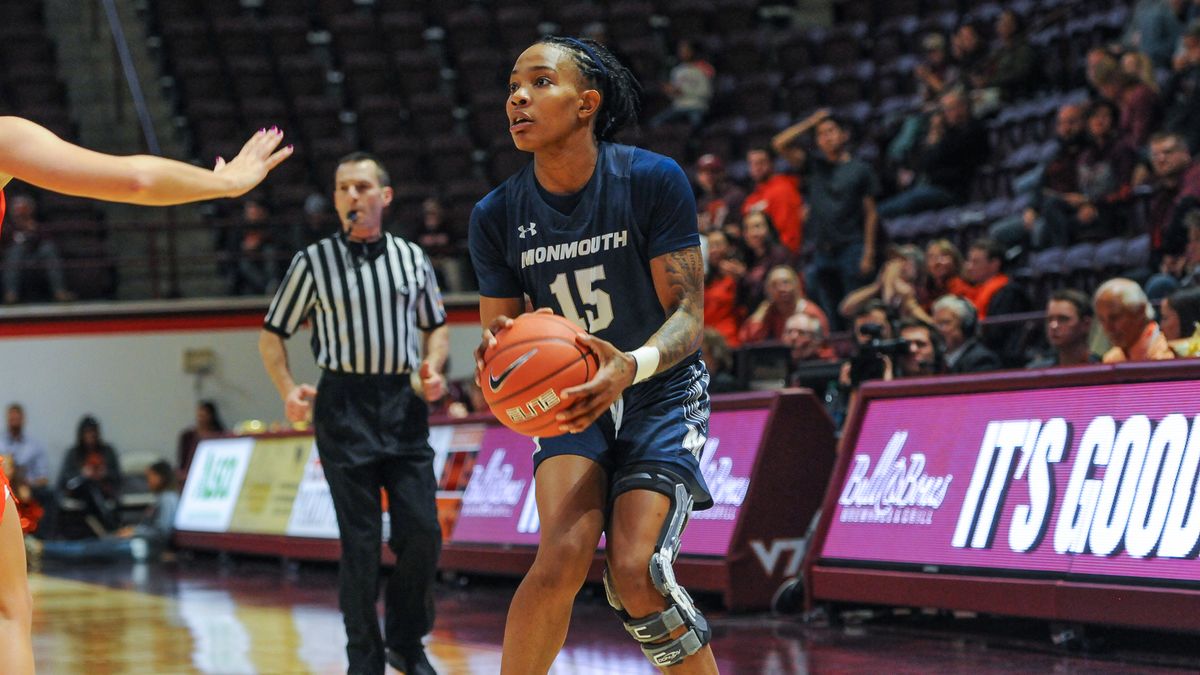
619, 90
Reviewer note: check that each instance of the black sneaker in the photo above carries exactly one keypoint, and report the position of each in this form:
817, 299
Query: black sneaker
411, 662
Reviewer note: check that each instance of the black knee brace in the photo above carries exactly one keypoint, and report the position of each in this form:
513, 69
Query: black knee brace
654, 631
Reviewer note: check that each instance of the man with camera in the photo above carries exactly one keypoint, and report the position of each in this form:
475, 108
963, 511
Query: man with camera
926, 353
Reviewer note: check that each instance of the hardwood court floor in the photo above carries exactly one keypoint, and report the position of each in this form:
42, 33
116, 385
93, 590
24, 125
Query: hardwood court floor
256, 616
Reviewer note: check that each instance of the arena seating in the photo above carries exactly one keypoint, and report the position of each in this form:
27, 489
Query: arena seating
30, 87
420, 85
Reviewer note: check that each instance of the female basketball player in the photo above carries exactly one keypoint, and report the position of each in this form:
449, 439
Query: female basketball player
35, 155
605, 235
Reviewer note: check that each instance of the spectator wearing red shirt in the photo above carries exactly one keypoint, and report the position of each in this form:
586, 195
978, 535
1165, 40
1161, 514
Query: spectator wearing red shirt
996, 295
994, 292
785, 297
776, 195
723, 309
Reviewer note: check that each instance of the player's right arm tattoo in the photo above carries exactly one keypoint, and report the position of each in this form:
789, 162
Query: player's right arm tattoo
679, 282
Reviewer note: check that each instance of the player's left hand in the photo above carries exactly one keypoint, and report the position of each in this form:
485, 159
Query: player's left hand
588, 401
433, 383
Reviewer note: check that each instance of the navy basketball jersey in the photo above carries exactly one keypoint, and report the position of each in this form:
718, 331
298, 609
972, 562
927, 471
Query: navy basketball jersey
591, 265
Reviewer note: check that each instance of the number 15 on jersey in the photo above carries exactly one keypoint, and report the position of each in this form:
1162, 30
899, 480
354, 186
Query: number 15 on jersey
594, 312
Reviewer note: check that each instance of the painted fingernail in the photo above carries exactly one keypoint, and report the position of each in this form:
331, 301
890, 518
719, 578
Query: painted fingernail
274, 129
290, 148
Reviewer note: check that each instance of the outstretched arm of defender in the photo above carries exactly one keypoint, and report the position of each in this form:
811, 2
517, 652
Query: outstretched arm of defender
679, 282
35, 155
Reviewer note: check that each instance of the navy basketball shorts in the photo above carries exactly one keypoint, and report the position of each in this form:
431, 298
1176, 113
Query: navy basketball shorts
662, 422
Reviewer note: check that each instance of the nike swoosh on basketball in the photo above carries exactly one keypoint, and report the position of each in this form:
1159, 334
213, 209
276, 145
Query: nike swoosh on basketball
497, 382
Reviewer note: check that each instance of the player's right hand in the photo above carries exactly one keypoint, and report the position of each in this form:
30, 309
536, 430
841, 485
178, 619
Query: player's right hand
256, 159
498, 324
299, 402
488, 341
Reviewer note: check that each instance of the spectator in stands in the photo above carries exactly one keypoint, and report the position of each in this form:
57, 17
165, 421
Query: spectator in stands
438, 242
149, 538
926, 353
1097, 59
27, 453
785, 297
1127, 317
1138, 65
1044, 223
806, 338
935, 72
872, 322
1138, 104
1012, 68
944, 263
1068, 329
935, 76
208, 425
970, 54
1105, 173
1155, 29
763, 253
900, 285
957, 322
1181, 96
719, 199
690, 88
842, 225
994, 292
318, 221
1177, 185
955, 146
724, 308
777, 196
1057, 189
1180, 322
91, 473
719, 362
31, 252
255, 269
1179, 271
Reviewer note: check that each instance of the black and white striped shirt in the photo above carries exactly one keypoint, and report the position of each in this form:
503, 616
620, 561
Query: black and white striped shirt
367, 315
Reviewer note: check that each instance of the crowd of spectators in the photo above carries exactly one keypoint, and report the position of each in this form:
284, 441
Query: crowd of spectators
93, 509
805, 256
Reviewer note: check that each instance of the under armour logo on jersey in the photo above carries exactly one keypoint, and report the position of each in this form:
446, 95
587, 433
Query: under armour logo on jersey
531, 230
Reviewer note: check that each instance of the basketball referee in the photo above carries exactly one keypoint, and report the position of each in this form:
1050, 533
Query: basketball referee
368, 296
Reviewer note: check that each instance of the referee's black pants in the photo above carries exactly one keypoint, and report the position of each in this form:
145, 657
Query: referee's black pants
372, 418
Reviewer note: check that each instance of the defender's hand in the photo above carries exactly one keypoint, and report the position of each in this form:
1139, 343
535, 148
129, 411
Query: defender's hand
588, 401
255, 160
433, 383
298, 404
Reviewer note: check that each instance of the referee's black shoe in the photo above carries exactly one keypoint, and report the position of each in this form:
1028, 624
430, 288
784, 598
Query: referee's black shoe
410, 661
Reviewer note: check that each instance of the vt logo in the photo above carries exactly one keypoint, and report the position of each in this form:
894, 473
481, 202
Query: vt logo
531, 230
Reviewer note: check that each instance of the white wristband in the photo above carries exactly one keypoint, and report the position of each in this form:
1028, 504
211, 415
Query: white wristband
647, 362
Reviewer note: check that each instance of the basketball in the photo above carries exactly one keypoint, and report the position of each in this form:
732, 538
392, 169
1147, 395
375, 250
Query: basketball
527, 369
